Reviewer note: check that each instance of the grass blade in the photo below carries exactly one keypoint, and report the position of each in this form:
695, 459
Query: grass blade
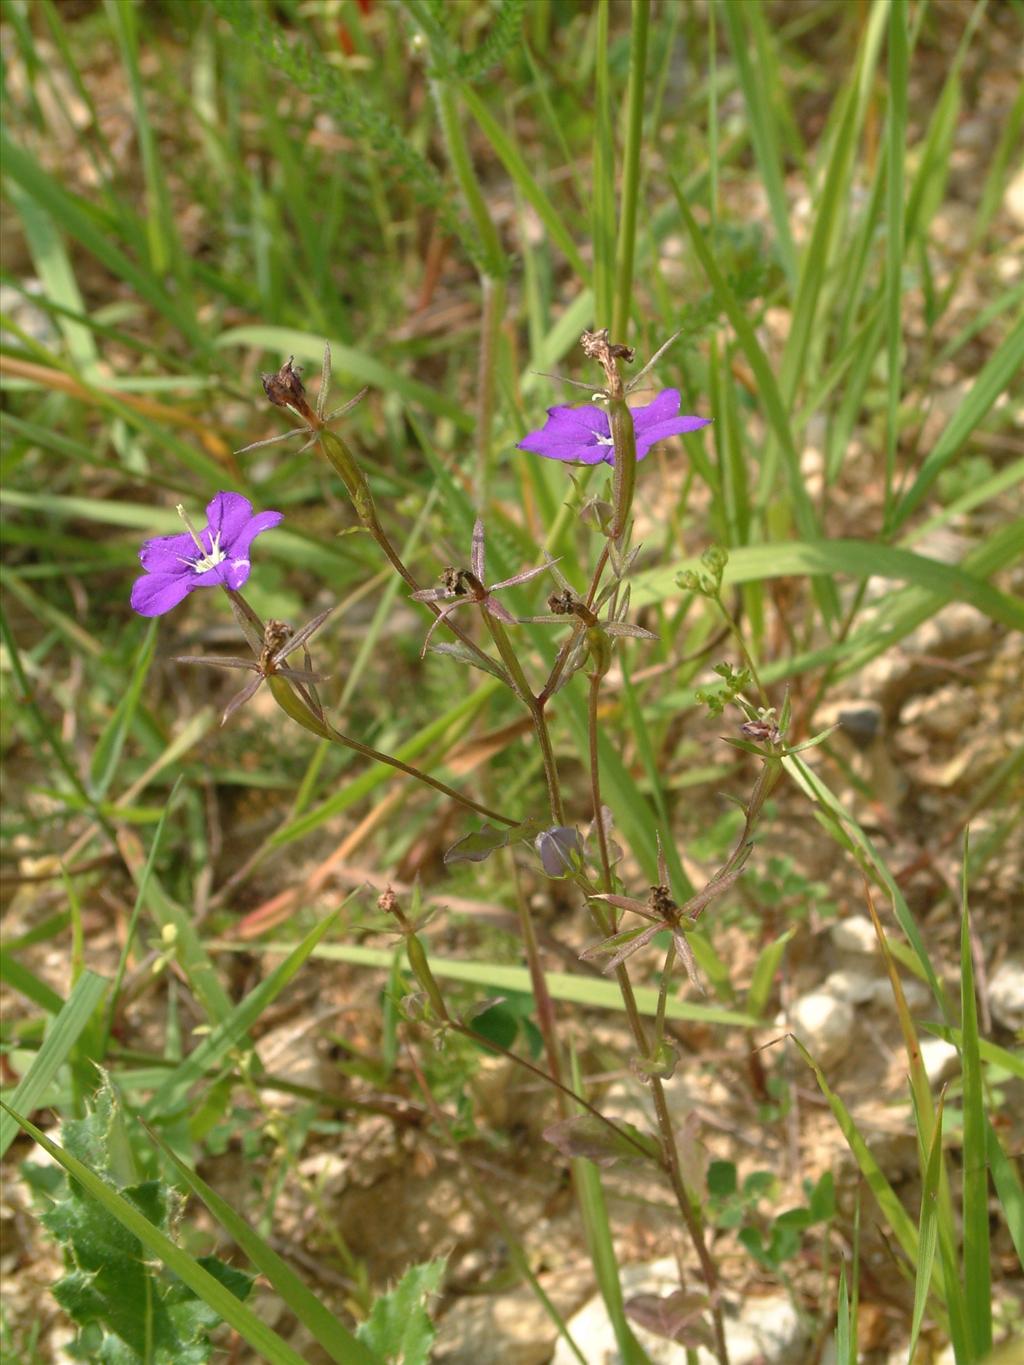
232, 1031
339, 1343
590, 991
977, 1272
63, 1034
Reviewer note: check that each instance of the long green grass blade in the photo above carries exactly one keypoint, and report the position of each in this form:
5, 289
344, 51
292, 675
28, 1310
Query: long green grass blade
63, 1034
339, 1343
1007, 1181
928, 1232
859, 558
598, 1232
232, 1031
760, 98
993, 380
590, 991
977, 1261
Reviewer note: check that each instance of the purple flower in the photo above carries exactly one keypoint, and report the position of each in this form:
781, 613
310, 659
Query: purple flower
583, 435
217, 555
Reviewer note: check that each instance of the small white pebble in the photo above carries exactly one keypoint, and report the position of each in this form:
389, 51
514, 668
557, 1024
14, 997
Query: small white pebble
940, 1059
855, 935
1006, 995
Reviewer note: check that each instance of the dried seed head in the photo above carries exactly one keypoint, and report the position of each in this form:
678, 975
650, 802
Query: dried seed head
387, 901
562, 603
285, 390
597, 346
275, 633
452, 582
660, 902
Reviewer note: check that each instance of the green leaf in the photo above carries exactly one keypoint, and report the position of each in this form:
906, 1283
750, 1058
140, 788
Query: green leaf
764, 973
584, 1135
126, 1310
399, 1328
722, 1179
135, 1224
475, 847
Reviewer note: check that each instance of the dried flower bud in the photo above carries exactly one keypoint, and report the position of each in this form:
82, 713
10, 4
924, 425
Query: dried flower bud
275, 633
560, 848
763, 730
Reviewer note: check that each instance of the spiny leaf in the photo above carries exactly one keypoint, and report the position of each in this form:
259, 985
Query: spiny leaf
399, 1327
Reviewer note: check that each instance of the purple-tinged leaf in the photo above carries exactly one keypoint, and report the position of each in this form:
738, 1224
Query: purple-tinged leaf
457, 650
476, 847
678, 1317
607, 1145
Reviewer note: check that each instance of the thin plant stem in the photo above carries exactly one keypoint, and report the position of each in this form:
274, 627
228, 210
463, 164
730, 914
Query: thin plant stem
741, 644
548, 690
293, 706
343, 461
595, 780
690, 1209
626, 244
511, 1239
540, 725
547, 1020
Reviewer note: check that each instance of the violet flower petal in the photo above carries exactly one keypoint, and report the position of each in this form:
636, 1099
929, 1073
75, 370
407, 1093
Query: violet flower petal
227, 514
583, 434
661, 408
232, 516
155, 593
176, 564
167, 554
659, 419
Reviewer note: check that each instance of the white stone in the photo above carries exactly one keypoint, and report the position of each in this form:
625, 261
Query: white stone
1013, 200
767, 1330
1006, 994
855, 935
940, 1059
859, 988
824, 1024
764, 1331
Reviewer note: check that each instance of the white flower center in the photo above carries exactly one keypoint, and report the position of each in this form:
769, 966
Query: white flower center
210, 560
603, 440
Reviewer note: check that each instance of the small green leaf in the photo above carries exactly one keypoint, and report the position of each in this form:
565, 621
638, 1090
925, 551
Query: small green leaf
722, 1179
399, 1327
